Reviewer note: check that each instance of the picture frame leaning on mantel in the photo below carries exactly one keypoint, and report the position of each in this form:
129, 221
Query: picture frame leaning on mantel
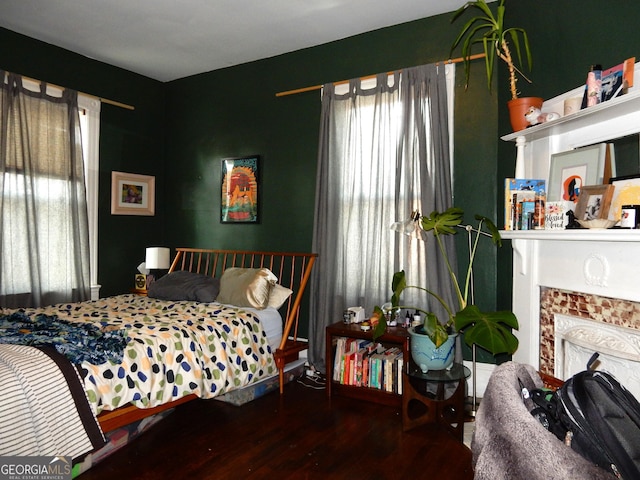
594, 202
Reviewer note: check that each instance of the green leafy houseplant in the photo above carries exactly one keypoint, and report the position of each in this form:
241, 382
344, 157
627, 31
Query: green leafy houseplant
489, 330
490, 31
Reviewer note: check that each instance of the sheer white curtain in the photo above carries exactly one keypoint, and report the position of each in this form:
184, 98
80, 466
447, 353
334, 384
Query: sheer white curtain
384, 151
44, 242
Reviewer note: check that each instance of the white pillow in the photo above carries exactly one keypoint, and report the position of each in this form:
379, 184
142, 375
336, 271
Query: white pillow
246, 287
278, 296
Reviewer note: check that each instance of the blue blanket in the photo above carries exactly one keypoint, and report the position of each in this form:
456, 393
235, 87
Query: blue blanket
79, 342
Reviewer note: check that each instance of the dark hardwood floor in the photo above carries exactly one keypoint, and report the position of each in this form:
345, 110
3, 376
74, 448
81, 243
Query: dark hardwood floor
300, 435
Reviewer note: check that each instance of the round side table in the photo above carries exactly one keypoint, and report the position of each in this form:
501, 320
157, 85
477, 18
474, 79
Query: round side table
435, 397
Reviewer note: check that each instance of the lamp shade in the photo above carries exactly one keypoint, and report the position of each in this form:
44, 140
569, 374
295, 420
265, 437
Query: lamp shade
157, 258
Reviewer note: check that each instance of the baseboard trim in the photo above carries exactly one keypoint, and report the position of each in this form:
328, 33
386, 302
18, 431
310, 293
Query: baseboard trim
483, 372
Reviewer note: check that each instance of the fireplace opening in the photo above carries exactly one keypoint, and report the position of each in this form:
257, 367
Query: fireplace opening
574, 325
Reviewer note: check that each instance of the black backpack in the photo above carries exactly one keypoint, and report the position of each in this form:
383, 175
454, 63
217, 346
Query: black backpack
597, 417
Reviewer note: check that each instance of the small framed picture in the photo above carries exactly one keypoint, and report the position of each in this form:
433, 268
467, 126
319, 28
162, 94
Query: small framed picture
132, 194
240, 187
594, 202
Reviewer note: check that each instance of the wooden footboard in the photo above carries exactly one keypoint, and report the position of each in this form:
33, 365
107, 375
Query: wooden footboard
293, 271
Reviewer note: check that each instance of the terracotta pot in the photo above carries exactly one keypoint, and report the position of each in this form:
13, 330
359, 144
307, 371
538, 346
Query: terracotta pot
518, 109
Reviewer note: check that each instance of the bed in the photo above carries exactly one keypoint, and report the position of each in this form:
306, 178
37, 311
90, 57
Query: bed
187, 345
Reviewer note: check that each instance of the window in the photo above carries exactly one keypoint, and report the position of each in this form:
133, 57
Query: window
384, 151
48, 193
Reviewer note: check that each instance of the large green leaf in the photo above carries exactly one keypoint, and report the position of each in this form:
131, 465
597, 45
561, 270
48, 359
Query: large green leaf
491, 331
398, 284
443, 223
493, 230
435, 330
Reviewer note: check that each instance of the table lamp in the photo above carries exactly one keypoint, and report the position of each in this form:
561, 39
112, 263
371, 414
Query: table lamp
156, 262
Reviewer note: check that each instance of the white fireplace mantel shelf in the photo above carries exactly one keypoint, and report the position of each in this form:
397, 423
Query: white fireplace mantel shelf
618, 108
591, 235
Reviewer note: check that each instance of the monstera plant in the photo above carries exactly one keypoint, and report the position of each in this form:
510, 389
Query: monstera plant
489, 330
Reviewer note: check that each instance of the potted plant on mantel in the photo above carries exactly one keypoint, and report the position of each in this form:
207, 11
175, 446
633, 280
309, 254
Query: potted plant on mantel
489, 30
489, 330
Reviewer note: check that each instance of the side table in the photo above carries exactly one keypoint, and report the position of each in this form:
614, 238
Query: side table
425, 398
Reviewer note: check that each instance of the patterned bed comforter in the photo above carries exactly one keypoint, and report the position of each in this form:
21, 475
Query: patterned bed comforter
174, 349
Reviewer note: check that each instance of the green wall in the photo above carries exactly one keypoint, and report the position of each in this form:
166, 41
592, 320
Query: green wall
180, 131
130, 141
234, 111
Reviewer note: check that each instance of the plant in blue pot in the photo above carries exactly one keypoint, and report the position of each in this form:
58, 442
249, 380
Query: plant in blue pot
433, 343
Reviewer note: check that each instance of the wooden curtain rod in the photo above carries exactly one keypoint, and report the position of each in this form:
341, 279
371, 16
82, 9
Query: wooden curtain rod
113, 102
318, 87
103, 100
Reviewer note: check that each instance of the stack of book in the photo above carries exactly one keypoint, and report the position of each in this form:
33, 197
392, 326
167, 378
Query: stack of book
524, 204
362, 363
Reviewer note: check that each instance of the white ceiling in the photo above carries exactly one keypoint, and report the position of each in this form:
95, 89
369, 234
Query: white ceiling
170, 39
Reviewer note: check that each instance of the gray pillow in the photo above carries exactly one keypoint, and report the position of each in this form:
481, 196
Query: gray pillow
182, 285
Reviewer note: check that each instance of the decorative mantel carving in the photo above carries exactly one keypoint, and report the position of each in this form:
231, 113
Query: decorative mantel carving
596, 270
577, 338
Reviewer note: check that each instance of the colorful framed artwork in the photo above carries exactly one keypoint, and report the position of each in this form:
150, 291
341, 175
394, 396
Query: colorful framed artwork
626, 191
572, 170
594, 202
240, 200
132, 194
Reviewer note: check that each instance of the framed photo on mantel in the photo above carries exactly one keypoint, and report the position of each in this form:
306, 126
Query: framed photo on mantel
626, 191
574, 169
594, 202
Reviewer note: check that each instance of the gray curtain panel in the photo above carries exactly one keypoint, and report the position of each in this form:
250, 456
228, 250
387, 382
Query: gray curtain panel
383, 152
44, 244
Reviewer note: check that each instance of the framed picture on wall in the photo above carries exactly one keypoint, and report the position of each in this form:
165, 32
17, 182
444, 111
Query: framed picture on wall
240, 202
132, 194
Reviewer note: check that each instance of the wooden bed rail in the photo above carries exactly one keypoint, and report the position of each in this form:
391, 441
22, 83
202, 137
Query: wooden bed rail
292, 269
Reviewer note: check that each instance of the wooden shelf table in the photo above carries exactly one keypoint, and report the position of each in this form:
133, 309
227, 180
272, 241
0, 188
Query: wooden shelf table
425, 398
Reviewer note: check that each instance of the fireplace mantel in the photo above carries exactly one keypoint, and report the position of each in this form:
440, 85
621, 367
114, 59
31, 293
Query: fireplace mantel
600, 262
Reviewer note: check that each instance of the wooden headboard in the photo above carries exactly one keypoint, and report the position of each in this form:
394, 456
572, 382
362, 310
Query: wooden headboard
292, 269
